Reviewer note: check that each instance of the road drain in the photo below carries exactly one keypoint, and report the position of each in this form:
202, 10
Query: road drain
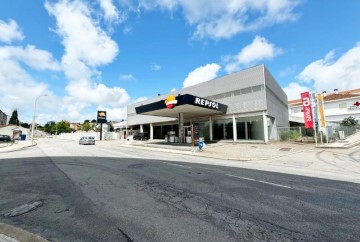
25, 208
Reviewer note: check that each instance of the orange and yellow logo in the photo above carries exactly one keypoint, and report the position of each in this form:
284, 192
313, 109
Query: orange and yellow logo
170, 102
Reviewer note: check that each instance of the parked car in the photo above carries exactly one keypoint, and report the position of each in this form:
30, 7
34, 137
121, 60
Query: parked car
87, 140
141, 136
5, 138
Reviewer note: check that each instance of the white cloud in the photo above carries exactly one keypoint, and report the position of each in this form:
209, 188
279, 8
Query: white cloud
110, 11
83, 39
140, 99
31, 56
293, 90
288, 71
259, 50
155, 67
218, 20
173, 89
87, 46
202, 74
329, 73
18, 87
10, 31
127, 30
127, 77
114, 114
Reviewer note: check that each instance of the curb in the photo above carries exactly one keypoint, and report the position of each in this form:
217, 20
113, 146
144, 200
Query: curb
16, 147
18, 234
209, 156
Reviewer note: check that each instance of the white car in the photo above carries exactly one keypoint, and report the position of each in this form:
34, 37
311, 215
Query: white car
87, 140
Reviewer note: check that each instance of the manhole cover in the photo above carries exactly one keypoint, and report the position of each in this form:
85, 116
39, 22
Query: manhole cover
25, 208
285, 149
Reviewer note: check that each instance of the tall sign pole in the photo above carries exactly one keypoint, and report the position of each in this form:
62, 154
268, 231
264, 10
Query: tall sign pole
101, 118
315, 115
322, 120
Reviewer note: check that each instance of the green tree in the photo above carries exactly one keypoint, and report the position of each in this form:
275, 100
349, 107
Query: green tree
86, 121
50, 128
86, 126
25, 125
62, 127
349, 121
14, 118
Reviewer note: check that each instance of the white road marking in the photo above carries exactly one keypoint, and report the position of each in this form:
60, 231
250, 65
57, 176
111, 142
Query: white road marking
189, 167
251, 179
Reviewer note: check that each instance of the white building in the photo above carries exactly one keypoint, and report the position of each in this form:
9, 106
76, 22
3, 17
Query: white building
15, 131
337, 106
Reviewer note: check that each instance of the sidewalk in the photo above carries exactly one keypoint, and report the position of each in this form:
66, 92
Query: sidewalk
10, 233
4, 147
229, 150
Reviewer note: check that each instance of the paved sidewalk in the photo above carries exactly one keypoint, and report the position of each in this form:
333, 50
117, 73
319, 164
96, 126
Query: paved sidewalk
10, 233
4, 147
228, 150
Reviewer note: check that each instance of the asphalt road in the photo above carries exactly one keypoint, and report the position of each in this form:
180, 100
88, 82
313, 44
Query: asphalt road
102, 193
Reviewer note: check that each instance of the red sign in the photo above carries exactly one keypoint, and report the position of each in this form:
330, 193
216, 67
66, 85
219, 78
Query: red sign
308, 115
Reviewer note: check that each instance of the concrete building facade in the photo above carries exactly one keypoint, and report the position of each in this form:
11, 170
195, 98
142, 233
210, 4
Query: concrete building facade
3, 118
256, 106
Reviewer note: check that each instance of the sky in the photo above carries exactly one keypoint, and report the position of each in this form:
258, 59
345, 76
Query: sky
75, 57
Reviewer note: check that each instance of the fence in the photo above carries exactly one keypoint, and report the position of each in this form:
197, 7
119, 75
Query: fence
332, 133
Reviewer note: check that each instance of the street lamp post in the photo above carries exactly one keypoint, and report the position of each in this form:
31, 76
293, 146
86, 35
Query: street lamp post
33, 121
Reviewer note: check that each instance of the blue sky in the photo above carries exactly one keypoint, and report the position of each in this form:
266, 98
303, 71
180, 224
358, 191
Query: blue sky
105, 54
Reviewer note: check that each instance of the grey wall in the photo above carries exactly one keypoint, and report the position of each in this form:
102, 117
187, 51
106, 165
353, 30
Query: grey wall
276, 99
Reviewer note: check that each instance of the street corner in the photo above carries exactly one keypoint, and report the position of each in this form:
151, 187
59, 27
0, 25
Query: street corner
9, 233
5, 147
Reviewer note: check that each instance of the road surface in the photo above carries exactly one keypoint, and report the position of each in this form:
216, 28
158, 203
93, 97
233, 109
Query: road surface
108, 193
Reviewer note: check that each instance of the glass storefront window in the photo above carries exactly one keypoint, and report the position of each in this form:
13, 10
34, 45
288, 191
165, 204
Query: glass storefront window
222, 129
250, 128
204, 130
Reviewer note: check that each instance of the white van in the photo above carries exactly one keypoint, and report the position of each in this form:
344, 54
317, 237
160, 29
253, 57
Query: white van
87, 140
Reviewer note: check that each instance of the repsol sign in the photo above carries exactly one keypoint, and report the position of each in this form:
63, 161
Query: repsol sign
206, 103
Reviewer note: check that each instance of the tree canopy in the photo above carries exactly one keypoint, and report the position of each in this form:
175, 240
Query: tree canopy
14, 118
349, 121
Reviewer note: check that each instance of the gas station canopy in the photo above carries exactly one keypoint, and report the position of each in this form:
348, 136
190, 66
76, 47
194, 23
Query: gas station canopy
190, 106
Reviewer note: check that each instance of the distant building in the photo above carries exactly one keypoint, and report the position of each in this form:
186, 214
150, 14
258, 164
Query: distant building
337, 106
3, 118
15, 131
75, 126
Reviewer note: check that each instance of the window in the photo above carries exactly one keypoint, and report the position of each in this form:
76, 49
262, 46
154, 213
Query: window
342, 105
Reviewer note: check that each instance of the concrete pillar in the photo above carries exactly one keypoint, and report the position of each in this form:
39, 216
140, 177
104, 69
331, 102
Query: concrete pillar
210, 128
266, 133
151, 131
246, 131
234, 128
181, 127
141, 128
